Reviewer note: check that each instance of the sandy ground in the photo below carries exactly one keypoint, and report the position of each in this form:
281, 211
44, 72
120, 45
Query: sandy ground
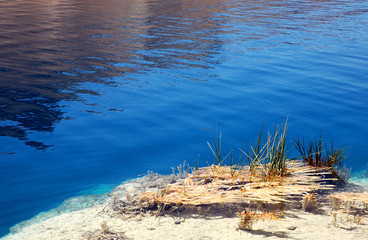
99, 222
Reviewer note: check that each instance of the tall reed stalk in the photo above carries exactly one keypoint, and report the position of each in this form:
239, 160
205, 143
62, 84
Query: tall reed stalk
217, 149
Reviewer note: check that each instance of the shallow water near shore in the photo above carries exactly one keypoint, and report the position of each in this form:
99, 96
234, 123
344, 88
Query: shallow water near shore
94, 93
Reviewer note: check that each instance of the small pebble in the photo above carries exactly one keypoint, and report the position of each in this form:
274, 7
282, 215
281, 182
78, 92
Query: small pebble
291, 227
178, 220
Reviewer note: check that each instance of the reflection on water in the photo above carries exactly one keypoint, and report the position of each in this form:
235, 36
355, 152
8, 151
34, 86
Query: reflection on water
109, 89
50, 48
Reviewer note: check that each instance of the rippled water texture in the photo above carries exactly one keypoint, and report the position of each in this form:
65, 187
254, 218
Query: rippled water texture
96, 92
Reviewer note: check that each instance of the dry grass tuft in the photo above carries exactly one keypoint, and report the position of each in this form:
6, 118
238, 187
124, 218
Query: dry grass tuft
105, 233
354, 205
349, 199
309, 202
248, 218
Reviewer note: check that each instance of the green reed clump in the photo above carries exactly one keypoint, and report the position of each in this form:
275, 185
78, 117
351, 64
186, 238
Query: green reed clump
269, 157
277, 153
311, 151
256, 153
217, 148
318, 154
236, 165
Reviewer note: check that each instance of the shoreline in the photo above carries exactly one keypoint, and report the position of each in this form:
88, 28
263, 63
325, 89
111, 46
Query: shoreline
99, 221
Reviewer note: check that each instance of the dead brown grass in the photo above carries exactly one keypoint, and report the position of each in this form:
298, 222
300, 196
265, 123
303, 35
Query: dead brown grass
352, 206
219, 185
248, 218
309, 202
346, 197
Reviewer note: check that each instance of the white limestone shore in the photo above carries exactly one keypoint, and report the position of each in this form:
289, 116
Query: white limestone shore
100, 222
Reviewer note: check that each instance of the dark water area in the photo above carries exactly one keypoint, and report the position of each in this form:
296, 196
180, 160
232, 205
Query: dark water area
96, 92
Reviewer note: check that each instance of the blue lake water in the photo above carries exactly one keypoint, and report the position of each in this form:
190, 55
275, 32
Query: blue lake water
96, 92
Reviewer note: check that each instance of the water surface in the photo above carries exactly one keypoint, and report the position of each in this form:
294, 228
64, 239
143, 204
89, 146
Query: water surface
96, 92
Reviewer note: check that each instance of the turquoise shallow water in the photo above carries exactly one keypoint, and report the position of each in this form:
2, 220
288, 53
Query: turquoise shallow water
93, 93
